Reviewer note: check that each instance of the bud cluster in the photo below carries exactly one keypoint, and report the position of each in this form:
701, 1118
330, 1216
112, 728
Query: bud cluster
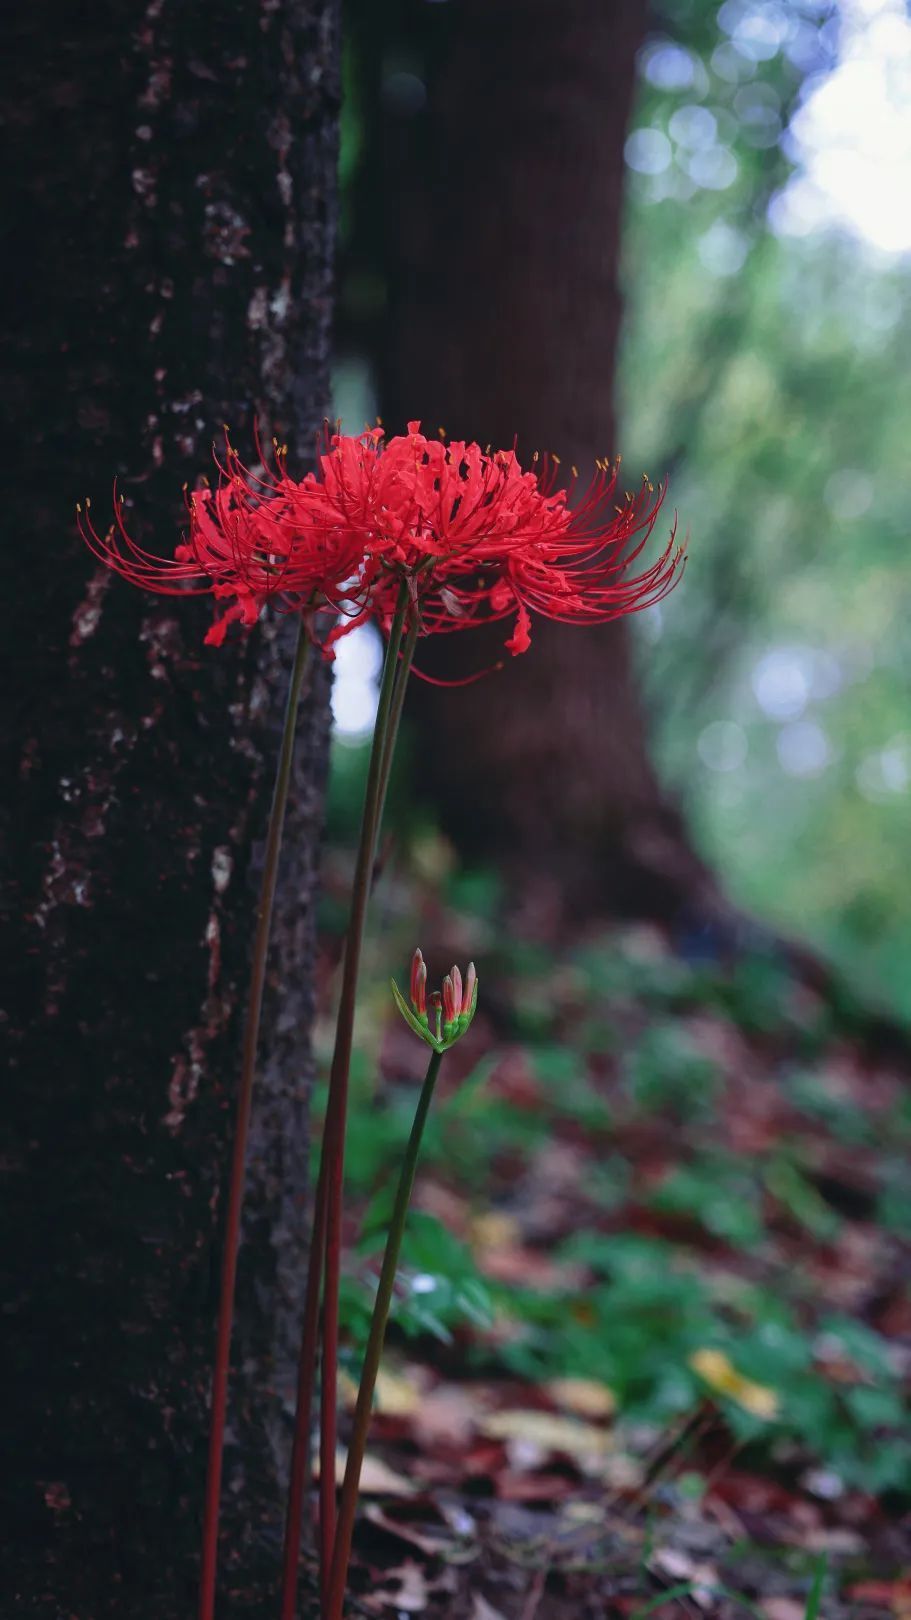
451, 1009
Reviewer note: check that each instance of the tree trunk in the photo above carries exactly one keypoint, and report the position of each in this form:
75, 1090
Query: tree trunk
170, 234
504, 258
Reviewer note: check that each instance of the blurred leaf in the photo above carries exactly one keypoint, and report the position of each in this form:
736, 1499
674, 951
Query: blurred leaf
785, 1182
546, 1432
716, 1371
718, 1195
667, 1072
583, 1396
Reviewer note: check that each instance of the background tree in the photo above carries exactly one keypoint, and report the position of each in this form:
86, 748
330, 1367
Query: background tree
494, 237
169, 236
502, 226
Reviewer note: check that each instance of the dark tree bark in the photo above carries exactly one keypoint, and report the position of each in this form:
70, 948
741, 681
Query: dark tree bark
504, 265
169, 230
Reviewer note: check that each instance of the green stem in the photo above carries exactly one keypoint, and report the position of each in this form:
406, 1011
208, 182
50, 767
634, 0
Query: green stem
325, 1235
209, 1561
335, 1596
395, 715
337, 1105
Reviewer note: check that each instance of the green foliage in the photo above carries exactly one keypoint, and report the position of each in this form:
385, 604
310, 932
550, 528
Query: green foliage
636, 1306
795, 1193
718, 1193
894, 1204
814, 1598
666, 1072
843, 1118
438, 1289
769, 375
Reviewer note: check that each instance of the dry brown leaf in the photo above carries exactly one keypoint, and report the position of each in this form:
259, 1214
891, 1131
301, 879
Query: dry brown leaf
412, 1593
529, 1268
531, 1435
448, 1413
681, 1567
377, 1478
584, 1397
397, 1394
494, 1230
783, 1608
549, 1488
482, 1610
840, 1541
435, 1542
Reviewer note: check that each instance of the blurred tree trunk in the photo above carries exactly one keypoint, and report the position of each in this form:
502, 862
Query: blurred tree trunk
504, 274
169, 230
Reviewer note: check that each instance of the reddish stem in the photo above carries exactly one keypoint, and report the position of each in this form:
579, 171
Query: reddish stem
209, 1560
326, 1233
306, 1385
334, 1145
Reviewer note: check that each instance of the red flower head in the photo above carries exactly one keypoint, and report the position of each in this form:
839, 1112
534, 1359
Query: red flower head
254, 539
484, 540
478, 539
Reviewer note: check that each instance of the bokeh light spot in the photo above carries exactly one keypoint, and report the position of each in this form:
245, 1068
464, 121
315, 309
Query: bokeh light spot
803, 748
648, 151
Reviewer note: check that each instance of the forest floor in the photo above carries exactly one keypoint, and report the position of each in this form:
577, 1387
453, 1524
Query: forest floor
652, 1338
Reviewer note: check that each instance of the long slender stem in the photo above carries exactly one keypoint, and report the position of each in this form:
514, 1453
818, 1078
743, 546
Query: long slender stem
337, 1105
395, 715
306, 1386
335, 1596
333, 1134
209, 1562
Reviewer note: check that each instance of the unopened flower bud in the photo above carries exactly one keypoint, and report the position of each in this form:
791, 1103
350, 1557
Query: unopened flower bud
419, 984
450, 1008
471, 979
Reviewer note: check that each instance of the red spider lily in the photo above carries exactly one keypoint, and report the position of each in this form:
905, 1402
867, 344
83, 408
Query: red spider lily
254, 539
478, 538
484, 540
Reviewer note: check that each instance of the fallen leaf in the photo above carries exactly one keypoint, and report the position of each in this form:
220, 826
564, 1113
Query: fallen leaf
529, 1268
482, 1610
395, 1395
531, 1435
548, 1488
411, 1592
447, 1414
407, 1589
714, 1368
377, 1479
494, 1230
447, 1206
583, 1396
894, 1595
680, 1566
413, 1523
840, 1540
